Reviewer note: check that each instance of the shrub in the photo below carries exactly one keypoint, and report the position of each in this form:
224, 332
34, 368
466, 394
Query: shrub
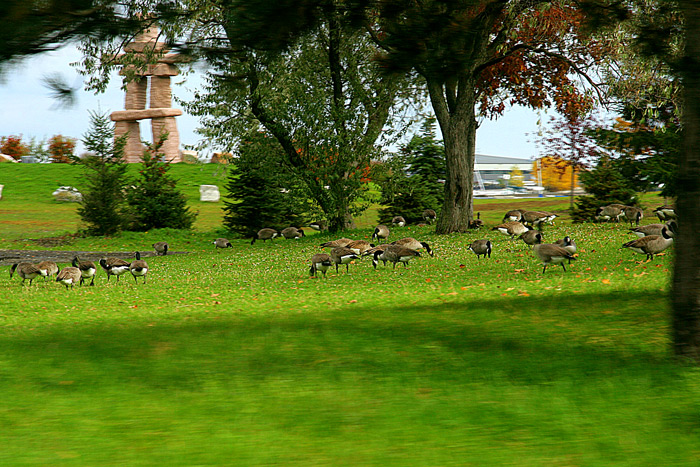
155, 202
605, 185
102, 209
13, 147
61, 149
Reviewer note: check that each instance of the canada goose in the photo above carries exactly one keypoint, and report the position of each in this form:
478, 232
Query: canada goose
264, 234
398, 220
69, 276
26, 271
537, 218
161, 248
395, 254
511, 228
481, 247
531, 237
429, 216
651, 244
381, 231
341, 242
609, 212
318, 225
114, 267
514, 215
567, 243
413, 244
653, 229
292, 233
320, 262
549, 253
138, 268
665, 213
87, 269
342, 255
359, 246
48, 268
222, 243
371, 251
476, 223
632, 214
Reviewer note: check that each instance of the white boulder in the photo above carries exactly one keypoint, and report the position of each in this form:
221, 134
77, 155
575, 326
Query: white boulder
67, 194
209, 193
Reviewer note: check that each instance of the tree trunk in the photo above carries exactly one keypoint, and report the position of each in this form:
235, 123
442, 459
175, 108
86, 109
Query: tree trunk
685, 295
454, 109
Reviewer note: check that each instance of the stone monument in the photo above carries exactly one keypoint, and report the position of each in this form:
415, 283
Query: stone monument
159, 110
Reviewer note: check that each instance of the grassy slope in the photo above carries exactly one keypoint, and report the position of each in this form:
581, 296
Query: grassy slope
238, 358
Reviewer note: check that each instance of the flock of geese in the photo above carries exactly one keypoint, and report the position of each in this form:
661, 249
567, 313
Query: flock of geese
517, 224
82, 270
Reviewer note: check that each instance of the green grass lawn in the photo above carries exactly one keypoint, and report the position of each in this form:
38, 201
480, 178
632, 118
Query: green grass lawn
237, 357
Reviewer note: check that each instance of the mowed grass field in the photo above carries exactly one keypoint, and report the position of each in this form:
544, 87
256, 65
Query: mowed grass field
237, 357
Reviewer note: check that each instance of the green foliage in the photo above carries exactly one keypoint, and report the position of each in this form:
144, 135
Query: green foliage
155, 202
102, 209
605, 185
260, 190
412, 182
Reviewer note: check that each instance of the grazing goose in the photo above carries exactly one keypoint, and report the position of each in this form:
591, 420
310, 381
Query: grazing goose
429, 216
381, 231
372, 250
87, 269
537, 218
395, 254
222, 243
114, 267
26, 271
293, 233
342, 255
359, 246
481, 247
69, 276
161, 248
341, 242
514, 215
651, 244
398, 220
531, 237
567, 243
476, 223
550, 253
138, 268
609, 212
665, 213
413, 244
48, 268
512, 229
632, 214
654, 229
320, 262
264, 234
318, 225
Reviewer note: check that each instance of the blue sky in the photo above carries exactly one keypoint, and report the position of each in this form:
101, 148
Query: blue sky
29, 110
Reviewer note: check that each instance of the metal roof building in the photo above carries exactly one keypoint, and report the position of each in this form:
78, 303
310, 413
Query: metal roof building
489, 169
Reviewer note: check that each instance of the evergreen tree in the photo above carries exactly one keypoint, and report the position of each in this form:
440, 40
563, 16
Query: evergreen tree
605, 185
260, 191
102, 208
155, 202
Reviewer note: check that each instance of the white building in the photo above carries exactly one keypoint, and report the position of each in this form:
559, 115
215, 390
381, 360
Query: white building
488, 170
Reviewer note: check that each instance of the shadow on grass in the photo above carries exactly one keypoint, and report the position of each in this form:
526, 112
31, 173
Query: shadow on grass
519, 340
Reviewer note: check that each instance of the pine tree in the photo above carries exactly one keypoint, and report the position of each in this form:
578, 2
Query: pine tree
155, 202
102, 208
605, 185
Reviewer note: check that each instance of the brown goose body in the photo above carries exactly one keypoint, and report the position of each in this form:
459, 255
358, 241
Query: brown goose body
633, 214
653, 229
412, 243
511, 228
320, 262
532, 237
610, 212
381, 232
651, 244
264, 234
429, 216
69, 276
114, 267
138, 268
665, 213
48, 268
161, 248
514, 215
481, 247
222, 243
292, 233
26, 271
342, 255
359, 246
395, 254
549, 253
398, 220
87, 269
341, 242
